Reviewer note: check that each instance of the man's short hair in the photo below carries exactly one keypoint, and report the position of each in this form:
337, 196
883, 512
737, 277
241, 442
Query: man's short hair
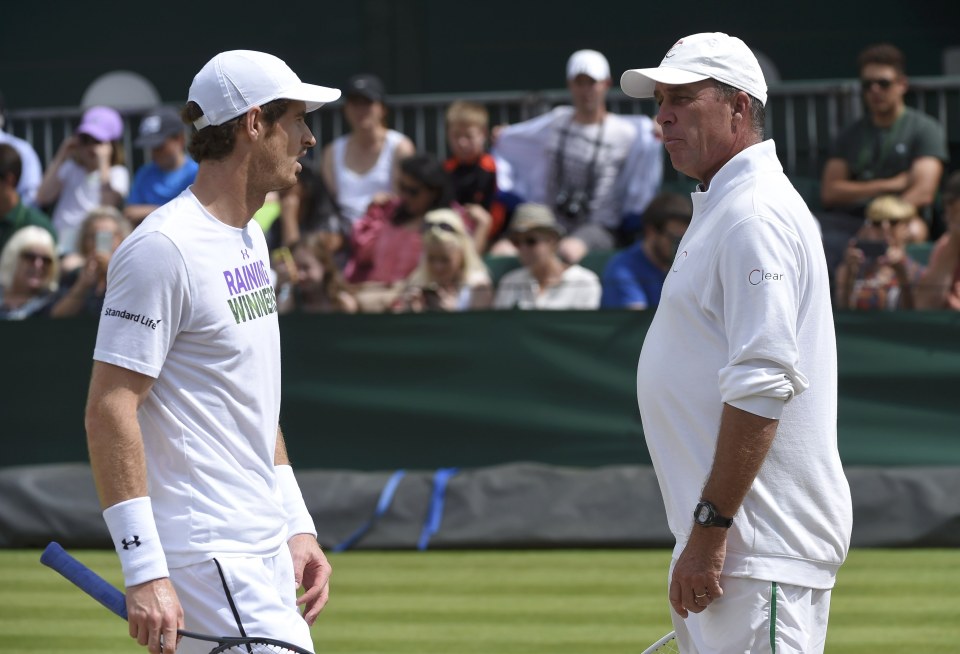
667, 206
758, 113
468, 113
10, 163
216, 142
951, 188
883, 54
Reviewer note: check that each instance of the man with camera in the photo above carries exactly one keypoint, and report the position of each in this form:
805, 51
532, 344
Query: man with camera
575, 159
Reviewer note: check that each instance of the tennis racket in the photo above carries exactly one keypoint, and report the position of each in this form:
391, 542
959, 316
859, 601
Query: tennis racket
101, 590
666, 645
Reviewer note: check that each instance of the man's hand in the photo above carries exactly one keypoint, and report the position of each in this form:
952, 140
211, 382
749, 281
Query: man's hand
696, 576
311, 571
154, 611
571, 249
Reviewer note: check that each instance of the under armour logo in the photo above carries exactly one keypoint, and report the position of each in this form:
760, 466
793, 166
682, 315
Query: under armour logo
244, 253
135, 542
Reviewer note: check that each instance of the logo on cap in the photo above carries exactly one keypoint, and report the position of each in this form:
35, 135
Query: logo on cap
671, 52
150, 125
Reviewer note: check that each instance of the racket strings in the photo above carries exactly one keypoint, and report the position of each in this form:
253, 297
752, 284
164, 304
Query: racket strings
252, 648
669, 647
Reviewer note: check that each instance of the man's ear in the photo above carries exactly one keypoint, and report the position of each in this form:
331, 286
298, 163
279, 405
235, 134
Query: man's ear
252, 123
741, 104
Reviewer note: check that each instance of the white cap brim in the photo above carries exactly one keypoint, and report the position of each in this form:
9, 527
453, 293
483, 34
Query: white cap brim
640, 82
313, 95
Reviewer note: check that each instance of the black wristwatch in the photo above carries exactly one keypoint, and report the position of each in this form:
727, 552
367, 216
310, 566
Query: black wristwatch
706, 515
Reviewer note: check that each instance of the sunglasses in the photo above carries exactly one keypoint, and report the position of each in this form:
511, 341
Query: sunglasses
86, 139
411, 191
882, 82
30, 257
444, 227
528, 241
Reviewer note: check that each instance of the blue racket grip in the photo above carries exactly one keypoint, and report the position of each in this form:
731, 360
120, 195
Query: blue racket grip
85, 579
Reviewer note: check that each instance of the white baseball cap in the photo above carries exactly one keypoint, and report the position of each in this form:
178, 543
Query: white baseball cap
698, 57
234, 82
590, 63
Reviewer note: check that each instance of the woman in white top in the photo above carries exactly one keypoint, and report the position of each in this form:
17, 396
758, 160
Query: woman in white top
87, 172
545, 281
363, 163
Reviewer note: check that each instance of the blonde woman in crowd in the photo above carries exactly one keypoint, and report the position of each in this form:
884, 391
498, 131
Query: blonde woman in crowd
83, 283
29, 270
450, 276
876, 272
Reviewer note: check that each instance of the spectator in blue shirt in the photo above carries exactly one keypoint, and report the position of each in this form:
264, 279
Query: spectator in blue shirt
31, 171
634, 277
170, 170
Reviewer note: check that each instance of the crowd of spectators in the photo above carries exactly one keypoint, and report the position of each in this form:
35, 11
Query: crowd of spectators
563, 211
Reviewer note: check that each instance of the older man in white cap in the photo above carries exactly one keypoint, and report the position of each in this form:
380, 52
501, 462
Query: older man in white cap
588, 165
182, 416
737, 379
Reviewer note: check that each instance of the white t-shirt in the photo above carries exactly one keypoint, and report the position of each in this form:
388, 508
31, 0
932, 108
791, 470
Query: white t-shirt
354, 191
579, 288
190, 303
622, 171
745, 319
79, 195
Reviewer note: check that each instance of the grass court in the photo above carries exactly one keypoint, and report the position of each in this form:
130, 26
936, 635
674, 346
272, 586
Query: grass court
505, 602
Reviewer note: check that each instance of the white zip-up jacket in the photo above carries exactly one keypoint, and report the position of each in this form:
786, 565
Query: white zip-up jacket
745, 319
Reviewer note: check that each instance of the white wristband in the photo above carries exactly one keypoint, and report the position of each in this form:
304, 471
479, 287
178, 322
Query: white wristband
135, 537
299, 520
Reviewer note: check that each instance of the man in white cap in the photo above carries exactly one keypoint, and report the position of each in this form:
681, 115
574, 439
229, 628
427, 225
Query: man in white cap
737, 379
588, 165
182, 415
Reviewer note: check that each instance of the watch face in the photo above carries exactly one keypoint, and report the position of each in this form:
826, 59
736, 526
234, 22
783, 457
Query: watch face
703, 513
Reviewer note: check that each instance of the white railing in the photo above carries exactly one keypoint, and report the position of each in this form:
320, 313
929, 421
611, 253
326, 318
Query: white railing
804, 117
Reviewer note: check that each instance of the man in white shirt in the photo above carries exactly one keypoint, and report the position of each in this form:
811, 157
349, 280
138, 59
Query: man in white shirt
577, 160
183, 412
737, 379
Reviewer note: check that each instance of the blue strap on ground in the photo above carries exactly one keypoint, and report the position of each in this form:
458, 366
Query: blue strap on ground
386, 497
435, 512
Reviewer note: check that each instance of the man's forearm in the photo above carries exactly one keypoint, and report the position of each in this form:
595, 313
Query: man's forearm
846, 191
116, 454
114, 439
742, 446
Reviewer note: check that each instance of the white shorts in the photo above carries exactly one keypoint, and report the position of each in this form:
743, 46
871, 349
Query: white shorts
757, 617
240, 596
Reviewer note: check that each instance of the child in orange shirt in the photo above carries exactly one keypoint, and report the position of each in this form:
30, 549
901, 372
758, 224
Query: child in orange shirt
472, 169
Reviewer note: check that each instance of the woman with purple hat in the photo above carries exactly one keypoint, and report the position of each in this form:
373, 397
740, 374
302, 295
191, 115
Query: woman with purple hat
87, 172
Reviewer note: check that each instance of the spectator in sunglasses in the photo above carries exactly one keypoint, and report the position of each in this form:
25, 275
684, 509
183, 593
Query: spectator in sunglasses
28, 274
892, 149
87, 172
545, 281
386, 242
451, 275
